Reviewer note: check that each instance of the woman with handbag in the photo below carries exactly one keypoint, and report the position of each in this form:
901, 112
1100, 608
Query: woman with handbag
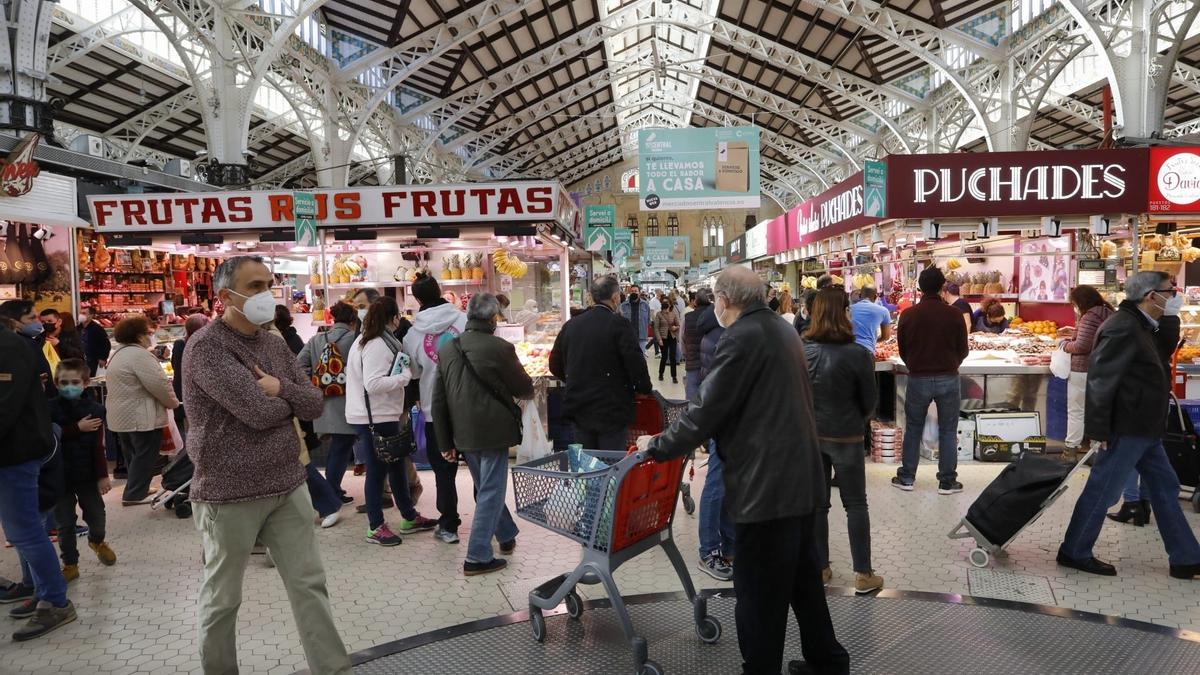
376, 373
474, 413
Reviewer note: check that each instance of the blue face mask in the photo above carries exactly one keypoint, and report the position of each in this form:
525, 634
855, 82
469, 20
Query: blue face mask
71, 392
32, 330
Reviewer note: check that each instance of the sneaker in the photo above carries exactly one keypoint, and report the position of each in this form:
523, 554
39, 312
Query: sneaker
385, 503
330, 520
445, 536
716, 567
347, 499
507, 547
472, 569
46, 617
70, 572
23, 610
867, 582
82, 530
418, 524
15, 592
104, 552
949, 487
897, 482
826, 575
383, 536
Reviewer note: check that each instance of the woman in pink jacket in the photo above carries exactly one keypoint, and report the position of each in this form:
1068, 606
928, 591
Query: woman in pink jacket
1092, 311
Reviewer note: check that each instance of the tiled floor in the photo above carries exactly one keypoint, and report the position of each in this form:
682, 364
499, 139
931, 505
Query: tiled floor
139, 616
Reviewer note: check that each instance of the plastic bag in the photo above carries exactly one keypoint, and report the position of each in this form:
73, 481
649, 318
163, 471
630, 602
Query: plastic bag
172, 440
534, 443
1060, 363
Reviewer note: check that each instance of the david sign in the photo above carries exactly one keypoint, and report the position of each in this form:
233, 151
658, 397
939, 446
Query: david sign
1174, 180
531, 201
1039, 183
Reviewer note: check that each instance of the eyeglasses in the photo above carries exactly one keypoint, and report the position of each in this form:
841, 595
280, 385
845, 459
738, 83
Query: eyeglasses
1171, 292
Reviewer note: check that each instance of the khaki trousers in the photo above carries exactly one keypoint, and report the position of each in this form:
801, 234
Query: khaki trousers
285, 526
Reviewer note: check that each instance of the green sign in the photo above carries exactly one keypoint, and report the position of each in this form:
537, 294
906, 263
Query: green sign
664, 252
709, 168
622, 246
304, 210
598, 222
874, 189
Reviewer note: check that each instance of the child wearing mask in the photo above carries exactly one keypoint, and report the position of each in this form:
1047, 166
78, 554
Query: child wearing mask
85, 468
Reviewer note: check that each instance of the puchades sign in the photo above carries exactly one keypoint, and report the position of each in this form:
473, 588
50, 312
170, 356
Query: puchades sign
525, 201
709, 168
1035, 183
835, 211
1174, 180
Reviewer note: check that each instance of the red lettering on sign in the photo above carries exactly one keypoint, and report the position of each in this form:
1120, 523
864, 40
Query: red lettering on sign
346, 206
160, 211
212, 211
322, 200
453, 202
424, 201
239, 210
135, 212
482, 195
510, 200
541, 199
281, 208
391, 202
102, 211
188, 203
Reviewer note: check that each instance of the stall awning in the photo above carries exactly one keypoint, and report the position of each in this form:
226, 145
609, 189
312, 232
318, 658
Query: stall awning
20, 215
51, 201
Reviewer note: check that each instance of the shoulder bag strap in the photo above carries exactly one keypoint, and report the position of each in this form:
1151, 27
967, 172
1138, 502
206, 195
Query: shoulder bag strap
506, 402
366, 397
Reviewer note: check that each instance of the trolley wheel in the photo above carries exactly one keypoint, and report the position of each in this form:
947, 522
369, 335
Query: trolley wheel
1196, 501
979, 557
709, 630
689, 505
651, 668
574, 605
537, 623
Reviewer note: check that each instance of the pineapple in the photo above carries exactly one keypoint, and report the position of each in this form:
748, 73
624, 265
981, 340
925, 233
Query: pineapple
477, 267
995, 285
455, 267
446, 267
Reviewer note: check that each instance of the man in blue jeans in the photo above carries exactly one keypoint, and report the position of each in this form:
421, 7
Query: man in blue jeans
26, 439
1128, 394
933, 343
716, 527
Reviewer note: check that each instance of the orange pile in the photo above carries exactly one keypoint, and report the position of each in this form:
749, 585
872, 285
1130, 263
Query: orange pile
1039, 327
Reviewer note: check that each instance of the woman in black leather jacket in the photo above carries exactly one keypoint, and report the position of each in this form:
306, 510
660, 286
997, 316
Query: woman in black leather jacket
843, 381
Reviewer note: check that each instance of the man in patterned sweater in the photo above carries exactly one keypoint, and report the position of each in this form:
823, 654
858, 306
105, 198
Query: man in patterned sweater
242, 388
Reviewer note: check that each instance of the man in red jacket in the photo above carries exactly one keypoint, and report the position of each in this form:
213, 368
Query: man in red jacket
933, 343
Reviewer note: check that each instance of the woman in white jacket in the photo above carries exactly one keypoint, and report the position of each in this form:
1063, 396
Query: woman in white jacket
376, 374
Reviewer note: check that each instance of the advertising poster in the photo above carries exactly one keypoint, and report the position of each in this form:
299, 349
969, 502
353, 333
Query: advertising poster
1174, 180
1045, 277
664, 252
874, 189
712, 168
622, 246
598, 227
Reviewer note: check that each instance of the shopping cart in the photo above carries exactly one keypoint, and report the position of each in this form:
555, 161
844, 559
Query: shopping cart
652, 415
615, 512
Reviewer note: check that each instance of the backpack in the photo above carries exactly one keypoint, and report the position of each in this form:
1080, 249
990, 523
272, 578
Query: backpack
330, 373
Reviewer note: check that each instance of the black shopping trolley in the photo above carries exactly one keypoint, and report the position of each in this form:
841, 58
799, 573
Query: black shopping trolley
622, 507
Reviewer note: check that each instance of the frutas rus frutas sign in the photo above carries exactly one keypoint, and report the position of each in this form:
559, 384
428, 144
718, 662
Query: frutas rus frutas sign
527, 201
710, 168
1037, 183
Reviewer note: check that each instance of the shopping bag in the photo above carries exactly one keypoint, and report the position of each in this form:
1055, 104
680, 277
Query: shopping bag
534, 443
172, 441
1060, 363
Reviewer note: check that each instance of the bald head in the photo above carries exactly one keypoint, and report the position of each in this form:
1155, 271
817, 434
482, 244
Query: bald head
194, 323
740, 287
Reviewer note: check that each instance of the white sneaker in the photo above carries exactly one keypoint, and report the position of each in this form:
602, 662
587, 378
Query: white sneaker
446, 536
330, 520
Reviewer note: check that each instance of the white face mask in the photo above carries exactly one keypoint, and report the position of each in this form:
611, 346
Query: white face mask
258, 308
362, 315
719, 309
1174, 304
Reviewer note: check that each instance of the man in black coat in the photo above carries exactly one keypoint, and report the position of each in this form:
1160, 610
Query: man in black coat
96, 345
773, 475
1128, 396
598, 358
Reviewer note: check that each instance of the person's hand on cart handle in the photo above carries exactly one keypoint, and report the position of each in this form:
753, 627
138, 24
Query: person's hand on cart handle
643, 443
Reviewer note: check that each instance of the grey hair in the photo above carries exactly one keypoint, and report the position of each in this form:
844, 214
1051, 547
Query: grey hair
1138, 286
226, 271
704, 297
483, 307
741, 287
604, 288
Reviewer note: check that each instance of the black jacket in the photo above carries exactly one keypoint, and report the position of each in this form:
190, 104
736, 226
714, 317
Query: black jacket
177, 367
96, 344
708, 347
468, 412
25, 432
292, 338
695, 325
757, 403
1128, 387
598, 358
843, 384
82, 451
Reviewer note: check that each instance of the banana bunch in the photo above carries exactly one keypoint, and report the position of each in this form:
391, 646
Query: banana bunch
953, 264
808, 282
838, 280
861, 281
507, 264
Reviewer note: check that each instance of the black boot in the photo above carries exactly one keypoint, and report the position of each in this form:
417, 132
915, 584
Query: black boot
1143, 517
1130, 512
